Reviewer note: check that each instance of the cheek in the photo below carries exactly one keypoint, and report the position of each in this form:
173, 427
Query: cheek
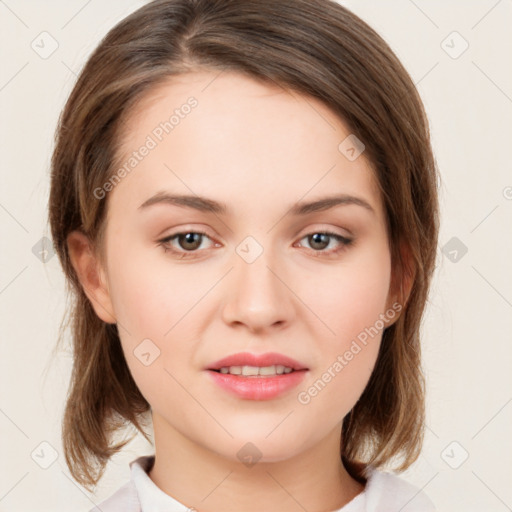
350, 303
154, 305
149, 296
350, 298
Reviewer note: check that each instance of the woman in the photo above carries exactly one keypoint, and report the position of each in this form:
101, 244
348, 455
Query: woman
244, 201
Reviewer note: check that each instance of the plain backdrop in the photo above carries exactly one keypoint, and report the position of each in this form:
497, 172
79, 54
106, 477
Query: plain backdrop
458, 53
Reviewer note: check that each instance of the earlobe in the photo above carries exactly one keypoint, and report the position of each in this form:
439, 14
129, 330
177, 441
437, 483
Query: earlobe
90, 274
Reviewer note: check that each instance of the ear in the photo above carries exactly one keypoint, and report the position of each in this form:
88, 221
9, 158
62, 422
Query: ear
91, 275
401, 282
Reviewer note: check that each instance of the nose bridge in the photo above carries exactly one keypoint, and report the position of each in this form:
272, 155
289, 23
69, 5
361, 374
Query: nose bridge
258, 297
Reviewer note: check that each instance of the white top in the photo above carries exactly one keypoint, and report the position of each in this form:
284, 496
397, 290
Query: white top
383, 492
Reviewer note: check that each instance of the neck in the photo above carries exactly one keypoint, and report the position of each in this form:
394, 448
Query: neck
314, 480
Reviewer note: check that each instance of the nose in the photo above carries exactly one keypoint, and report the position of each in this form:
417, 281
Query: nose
258, 296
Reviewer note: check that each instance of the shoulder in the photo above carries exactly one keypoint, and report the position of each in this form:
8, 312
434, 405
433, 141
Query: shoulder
387, 491
125, 499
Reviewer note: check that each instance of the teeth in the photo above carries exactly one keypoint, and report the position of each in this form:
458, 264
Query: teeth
270, 370
250, 370
253, 371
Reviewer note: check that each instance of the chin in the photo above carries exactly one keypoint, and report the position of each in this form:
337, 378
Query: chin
259, 446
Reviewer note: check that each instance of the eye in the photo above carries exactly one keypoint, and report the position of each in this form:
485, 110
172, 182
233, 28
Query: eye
184, 242
320, 240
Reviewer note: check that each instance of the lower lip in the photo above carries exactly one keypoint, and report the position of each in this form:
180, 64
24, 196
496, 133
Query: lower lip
258, 388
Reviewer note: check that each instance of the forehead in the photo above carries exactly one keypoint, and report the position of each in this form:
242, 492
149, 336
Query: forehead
226, 135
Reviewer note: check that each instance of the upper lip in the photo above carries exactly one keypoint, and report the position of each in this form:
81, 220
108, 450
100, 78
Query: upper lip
248, 359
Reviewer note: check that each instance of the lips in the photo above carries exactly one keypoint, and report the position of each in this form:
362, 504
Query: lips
239, 375
260, 360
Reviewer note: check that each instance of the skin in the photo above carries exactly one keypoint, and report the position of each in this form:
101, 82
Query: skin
259, 149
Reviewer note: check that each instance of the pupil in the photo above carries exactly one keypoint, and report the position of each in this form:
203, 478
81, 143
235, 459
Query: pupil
320, 238
191, 238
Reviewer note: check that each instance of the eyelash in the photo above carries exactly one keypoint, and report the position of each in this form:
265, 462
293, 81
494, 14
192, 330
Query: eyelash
345, 242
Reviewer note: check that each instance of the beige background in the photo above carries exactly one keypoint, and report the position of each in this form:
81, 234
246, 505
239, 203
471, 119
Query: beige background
467, 331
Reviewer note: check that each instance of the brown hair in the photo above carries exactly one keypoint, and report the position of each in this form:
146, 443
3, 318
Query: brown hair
313, 47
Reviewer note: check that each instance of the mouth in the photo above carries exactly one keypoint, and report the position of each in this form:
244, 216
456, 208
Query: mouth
255, 371
257, 377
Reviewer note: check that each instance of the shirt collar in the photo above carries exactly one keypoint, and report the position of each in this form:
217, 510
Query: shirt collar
151, 497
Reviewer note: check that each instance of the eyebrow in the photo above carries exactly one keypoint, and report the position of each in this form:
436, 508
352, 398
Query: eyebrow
205, 204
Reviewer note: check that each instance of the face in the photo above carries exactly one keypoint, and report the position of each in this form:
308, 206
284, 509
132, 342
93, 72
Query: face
244, 265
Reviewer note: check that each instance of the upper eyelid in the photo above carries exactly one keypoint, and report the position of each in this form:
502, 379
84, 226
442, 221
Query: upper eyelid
202, 231
323, 228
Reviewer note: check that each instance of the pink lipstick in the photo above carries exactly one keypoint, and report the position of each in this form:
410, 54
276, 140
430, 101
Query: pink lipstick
257, 376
